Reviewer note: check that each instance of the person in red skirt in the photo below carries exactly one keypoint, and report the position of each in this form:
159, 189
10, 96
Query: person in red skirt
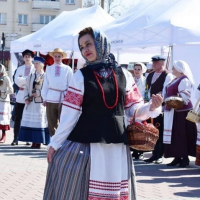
5, 109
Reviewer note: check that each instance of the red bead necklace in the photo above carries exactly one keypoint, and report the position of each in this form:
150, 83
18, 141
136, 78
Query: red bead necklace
103, 94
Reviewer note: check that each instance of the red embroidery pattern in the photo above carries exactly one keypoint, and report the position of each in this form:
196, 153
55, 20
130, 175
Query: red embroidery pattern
100, 197
133, 96
73, 98
71, 107
27, 71
116, 187
57, 71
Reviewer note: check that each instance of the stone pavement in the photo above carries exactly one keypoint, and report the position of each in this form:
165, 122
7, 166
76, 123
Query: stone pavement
23, 171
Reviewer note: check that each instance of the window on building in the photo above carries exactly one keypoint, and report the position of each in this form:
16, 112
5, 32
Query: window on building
23, 0
3, 18
70, 1
23, 19
45, 19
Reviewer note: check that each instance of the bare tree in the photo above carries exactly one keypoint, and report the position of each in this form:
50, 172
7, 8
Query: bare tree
89, 3
102, 4
113, 7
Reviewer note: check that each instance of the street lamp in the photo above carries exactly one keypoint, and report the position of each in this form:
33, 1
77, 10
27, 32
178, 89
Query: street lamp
2, 46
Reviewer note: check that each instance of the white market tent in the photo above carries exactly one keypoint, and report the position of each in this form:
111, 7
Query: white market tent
61, 31
161, 23
156, 23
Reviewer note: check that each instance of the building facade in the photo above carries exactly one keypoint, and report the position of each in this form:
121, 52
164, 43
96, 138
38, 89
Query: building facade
22, 17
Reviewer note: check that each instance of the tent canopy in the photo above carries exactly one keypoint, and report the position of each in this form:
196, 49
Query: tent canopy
156, 23
61, 31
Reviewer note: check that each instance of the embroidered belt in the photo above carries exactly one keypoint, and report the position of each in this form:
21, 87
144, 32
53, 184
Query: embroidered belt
61, 92
21, 88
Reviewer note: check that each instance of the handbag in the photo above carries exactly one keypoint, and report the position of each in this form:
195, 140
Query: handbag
174, 102
142, 137
194, 115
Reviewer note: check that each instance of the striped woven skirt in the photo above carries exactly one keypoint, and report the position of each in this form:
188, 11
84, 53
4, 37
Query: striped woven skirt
68, 176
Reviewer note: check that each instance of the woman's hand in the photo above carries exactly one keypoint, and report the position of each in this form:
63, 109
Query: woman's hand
50, 153
34, 94
156, 102
27, 102
44, 103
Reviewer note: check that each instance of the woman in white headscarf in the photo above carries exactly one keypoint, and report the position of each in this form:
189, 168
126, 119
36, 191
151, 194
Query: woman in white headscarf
5, 109
180, 134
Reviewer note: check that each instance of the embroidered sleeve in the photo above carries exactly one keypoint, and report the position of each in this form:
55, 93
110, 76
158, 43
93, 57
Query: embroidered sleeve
134, 100
185, 89
45, 86
71, 110
9, 89
20, 79
133, 96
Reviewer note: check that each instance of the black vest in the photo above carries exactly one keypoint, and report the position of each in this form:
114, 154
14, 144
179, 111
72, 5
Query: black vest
157, 86
97, 123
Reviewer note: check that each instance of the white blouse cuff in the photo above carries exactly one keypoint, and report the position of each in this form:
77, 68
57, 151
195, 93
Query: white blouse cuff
155, 113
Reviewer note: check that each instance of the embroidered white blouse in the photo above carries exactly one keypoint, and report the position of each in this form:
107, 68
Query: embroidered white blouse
20, 79
72, 106
56, 81
140, 82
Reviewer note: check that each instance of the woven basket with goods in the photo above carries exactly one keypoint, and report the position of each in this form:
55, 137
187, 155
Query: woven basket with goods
174, 102
194, 115
142, 137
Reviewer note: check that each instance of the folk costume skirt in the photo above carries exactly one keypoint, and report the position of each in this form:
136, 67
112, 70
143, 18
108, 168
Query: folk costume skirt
184, 136
5, 114
197, 162
34, 124
89, 172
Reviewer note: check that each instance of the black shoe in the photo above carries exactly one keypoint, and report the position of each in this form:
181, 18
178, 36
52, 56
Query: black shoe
159, 161
150, 160
175, 162
184, 162
15, 142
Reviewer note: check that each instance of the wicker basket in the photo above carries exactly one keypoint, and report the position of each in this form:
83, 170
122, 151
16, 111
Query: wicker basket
174, 102
194, 115
142, 137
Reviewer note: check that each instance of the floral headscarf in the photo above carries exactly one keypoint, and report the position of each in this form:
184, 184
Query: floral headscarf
102, 45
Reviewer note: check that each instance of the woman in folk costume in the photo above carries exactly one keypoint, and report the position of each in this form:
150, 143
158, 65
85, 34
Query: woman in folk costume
197, 162
5, 109
34, 122
138, 70
180, 134
140, 80
88, 156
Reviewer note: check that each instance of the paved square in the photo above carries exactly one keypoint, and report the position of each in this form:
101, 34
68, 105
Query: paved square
23, 171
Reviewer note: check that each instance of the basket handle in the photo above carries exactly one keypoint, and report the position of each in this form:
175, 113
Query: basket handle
196, 105
135, 116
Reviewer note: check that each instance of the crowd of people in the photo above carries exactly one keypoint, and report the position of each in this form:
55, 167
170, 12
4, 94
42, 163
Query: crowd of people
81, 117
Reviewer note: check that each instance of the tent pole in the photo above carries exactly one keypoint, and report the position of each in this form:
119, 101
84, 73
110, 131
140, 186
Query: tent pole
172, 57
162, 50
118, 55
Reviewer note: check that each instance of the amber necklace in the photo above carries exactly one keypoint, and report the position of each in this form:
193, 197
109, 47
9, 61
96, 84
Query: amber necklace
103, 94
